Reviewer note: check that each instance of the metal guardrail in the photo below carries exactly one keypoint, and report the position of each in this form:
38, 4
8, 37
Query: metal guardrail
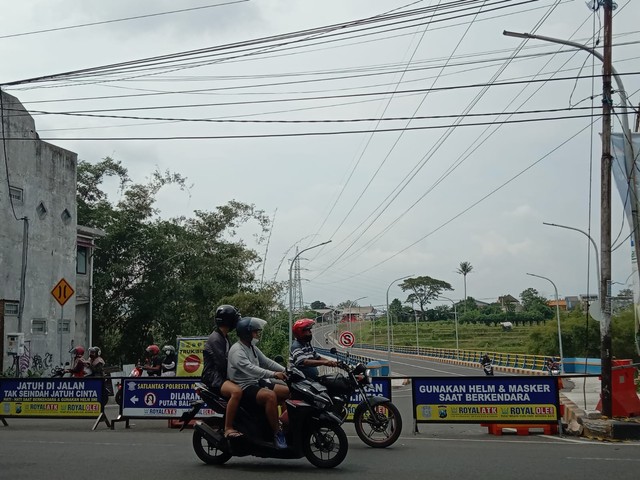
515, 360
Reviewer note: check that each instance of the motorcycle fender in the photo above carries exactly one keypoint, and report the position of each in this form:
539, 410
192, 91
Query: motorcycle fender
213, 436
375, 401
328, 416
186, 417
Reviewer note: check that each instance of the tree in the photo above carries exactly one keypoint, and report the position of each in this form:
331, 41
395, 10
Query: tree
464, 269
395, 310
317, 305
155, 279
532, 301
423, 289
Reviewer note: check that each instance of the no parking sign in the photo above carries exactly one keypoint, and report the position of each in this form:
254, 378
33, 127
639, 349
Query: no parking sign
347, 339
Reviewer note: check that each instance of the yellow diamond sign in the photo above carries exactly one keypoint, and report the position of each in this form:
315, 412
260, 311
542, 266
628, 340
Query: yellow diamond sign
62, 292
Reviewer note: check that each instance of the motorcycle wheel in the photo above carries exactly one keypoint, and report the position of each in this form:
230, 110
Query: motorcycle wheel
208, 453
381, 431
118, 397
325, 445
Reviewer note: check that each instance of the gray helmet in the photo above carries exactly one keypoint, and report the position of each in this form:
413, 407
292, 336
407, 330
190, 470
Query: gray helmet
95, 350
168, 349
227, 316
247, 325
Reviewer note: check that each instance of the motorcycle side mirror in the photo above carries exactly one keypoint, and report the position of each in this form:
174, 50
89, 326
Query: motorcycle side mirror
333, 350
66, 364
279, 359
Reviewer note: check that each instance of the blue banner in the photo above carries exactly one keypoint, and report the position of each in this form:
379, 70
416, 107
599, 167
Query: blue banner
486, 399
159, 397
51, 397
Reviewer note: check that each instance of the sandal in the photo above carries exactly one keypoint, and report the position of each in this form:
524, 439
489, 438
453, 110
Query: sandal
232, 434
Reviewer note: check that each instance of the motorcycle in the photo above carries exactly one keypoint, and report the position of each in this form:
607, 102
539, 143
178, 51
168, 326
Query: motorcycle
488, 368
553, 367
311, 430
377, 421
136, 372
59, 371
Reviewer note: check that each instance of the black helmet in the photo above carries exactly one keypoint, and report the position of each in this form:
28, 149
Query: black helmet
227, 316
247, 325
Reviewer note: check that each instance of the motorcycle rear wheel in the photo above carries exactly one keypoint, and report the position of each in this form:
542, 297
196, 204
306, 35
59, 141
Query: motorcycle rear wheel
208, 453
379, 431
325, 445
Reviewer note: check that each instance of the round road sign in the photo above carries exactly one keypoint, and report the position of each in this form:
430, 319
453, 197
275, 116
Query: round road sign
347, 339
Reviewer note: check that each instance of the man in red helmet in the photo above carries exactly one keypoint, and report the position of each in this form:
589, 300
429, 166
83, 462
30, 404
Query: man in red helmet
302, 354
153, 363
79, 363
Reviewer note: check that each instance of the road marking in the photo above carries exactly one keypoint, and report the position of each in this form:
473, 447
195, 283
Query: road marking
599, 459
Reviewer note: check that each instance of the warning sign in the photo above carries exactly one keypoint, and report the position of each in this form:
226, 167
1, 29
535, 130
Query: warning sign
62, 292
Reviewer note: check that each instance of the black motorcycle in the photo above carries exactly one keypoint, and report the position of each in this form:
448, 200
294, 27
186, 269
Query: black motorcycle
378, 422
311, 430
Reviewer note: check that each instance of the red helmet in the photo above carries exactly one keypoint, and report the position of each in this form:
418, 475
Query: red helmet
301, 325
152, 350
78, 351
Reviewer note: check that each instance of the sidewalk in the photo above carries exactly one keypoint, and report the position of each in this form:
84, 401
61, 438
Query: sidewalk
580, 397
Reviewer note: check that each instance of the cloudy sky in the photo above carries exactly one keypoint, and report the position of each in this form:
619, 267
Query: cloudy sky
412, 134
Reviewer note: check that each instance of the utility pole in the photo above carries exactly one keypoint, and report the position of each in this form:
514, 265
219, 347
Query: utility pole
605, 220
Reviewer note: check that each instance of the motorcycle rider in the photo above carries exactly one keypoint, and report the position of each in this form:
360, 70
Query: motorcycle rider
214, 374
95, 363
78, 364
248, 366
485, 361
153, 362
169, 362
302, 355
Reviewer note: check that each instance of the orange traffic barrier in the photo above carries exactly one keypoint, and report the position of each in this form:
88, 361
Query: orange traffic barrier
522, 428
624, 398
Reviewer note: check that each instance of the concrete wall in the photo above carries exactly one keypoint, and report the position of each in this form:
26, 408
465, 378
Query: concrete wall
47, 175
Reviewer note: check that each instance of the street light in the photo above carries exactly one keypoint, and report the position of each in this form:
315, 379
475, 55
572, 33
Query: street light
291, 288
604, 286
455, 319
388, 327
557, 318
359, 327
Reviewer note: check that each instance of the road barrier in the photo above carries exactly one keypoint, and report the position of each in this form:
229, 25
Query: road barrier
53, 398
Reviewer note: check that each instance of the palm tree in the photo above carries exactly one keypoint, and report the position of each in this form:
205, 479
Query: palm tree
464, 269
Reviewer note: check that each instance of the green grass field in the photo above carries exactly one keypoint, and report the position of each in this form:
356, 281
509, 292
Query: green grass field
441, 334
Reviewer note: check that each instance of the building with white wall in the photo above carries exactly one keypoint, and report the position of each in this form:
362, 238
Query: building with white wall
39, 238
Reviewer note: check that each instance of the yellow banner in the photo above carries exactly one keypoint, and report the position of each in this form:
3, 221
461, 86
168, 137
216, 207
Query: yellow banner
51, 409
479, 413
190, 358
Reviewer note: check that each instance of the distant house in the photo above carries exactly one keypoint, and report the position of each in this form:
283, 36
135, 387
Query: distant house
507, 302
562, 304
572, 302
355, 314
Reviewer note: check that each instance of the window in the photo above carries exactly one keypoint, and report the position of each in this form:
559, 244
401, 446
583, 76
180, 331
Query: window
16, 194
41, 210
65, 215
81, 260
11, 308
64, 326
38, 325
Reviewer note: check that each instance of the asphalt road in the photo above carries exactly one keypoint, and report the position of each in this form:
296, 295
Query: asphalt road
67, 449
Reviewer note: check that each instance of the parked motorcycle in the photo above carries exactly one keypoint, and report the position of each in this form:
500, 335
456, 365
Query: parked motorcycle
311, 430
136, 372
378, 422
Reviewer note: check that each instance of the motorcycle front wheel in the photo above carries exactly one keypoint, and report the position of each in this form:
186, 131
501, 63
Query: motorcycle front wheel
208, 453
380, 430
325, 445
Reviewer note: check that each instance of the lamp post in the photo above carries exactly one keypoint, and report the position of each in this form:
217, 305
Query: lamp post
291, 287
359, 326
557, 318
604, 286
455, 319
388, 323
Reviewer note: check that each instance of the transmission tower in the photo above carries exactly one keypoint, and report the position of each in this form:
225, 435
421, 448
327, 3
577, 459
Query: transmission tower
298, 304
